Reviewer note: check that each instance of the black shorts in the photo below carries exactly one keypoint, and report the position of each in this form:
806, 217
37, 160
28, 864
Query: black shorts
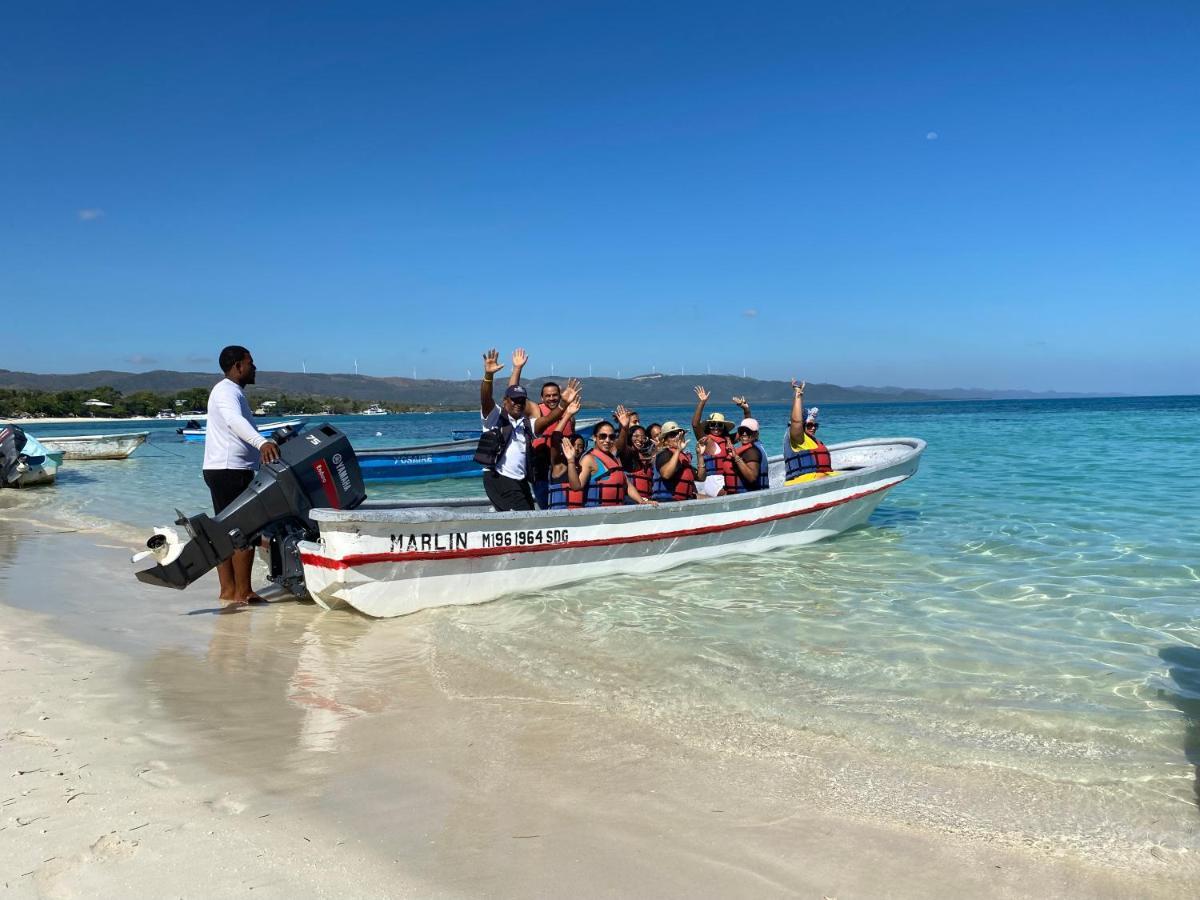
226, 484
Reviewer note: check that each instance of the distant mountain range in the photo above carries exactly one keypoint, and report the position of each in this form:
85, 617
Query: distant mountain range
641, 390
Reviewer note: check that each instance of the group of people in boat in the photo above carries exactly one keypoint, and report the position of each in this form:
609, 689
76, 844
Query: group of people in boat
533, 458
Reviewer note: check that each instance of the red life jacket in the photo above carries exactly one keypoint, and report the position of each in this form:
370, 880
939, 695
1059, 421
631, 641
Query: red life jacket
681, 487
813, 457
764, 479
723, 467
561, 496
640, 473
606, 488
564, 426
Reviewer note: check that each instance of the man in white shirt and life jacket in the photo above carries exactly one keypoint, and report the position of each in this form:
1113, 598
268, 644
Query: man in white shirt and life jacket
599, 475
233, 451
505, 448
804, 457
551, 399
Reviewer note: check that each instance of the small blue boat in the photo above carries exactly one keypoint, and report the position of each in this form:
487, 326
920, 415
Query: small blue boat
194, 432
429, 462
585, 428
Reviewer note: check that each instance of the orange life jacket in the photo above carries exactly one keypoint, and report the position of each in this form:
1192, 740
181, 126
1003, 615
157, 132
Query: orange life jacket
681, 487
607, 488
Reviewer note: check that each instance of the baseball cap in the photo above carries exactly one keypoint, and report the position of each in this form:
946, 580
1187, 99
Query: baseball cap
516, 392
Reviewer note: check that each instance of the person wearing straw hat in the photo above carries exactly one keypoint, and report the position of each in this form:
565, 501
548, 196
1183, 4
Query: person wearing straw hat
804, 457
674, 475
712, 440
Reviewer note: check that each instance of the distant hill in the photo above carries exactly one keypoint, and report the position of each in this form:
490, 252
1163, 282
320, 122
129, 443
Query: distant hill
641, 390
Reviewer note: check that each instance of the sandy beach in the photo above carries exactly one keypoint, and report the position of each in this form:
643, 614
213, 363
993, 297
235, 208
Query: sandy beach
153, 744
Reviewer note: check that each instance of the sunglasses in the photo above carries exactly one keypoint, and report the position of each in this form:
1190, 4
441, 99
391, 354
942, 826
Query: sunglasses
813, 425
606, 436
715, 426
744, 431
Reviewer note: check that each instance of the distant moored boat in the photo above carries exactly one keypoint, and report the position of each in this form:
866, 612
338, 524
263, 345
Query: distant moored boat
97, 446
193, 432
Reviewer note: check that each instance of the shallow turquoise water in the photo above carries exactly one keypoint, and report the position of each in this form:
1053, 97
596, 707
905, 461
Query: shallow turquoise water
1026, 610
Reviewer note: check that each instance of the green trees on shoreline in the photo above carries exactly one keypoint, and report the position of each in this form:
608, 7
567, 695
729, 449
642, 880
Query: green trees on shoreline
32, 404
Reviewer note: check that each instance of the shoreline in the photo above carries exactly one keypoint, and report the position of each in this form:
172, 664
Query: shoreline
385, 754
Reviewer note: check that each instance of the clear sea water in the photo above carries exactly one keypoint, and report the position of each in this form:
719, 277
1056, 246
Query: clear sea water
1020, 622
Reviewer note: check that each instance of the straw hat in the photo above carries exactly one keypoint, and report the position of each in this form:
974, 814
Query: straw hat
717, 419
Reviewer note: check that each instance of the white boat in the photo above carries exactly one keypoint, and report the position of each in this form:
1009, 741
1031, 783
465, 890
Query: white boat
374, 410
165, 414
194, 431
391, 559
96, 446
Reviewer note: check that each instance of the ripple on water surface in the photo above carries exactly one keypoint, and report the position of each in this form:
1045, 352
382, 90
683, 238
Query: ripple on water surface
1022, 613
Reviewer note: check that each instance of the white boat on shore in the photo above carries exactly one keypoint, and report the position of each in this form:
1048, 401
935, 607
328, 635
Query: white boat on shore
97, 446
325, 541
391, 559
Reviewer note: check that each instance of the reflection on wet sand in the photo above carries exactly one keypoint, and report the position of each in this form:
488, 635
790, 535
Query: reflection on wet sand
280, 683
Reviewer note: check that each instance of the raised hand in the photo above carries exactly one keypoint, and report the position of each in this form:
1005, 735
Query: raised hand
740, 401
568, 450
519, 358
622, 415
701, 394
798, 388
572, 390
573, 407
491, 362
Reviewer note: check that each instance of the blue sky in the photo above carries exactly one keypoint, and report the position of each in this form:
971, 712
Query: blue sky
947, 194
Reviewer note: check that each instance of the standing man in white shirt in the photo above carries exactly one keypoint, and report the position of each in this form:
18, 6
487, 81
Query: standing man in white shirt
508, 433
233, 451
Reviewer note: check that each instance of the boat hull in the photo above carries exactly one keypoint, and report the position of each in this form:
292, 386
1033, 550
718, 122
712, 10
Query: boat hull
97, 446
394, 561
428, 462
196, 435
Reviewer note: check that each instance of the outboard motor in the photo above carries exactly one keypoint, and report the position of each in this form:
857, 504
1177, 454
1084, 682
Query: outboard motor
12, 442
315, 469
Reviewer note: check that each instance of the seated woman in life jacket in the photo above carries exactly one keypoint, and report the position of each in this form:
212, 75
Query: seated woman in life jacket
654, 432
675, 476
560, 495
599, 473
558, 483
804, 457
712, 441
627, 419
749, 459
638, 460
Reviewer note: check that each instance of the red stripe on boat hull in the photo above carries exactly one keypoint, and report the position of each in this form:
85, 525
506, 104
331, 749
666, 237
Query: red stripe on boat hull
366, 559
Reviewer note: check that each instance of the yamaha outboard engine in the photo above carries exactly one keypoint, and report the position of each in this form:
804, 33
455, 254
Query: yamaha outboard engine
315, 469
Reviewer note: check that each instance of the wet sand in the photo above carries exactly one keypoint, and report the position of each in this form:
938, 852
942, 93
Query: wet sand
155, 745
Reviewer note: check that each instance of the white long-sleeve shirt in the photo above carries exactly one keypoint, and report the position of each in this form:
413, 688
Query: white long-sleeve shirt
230, 440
